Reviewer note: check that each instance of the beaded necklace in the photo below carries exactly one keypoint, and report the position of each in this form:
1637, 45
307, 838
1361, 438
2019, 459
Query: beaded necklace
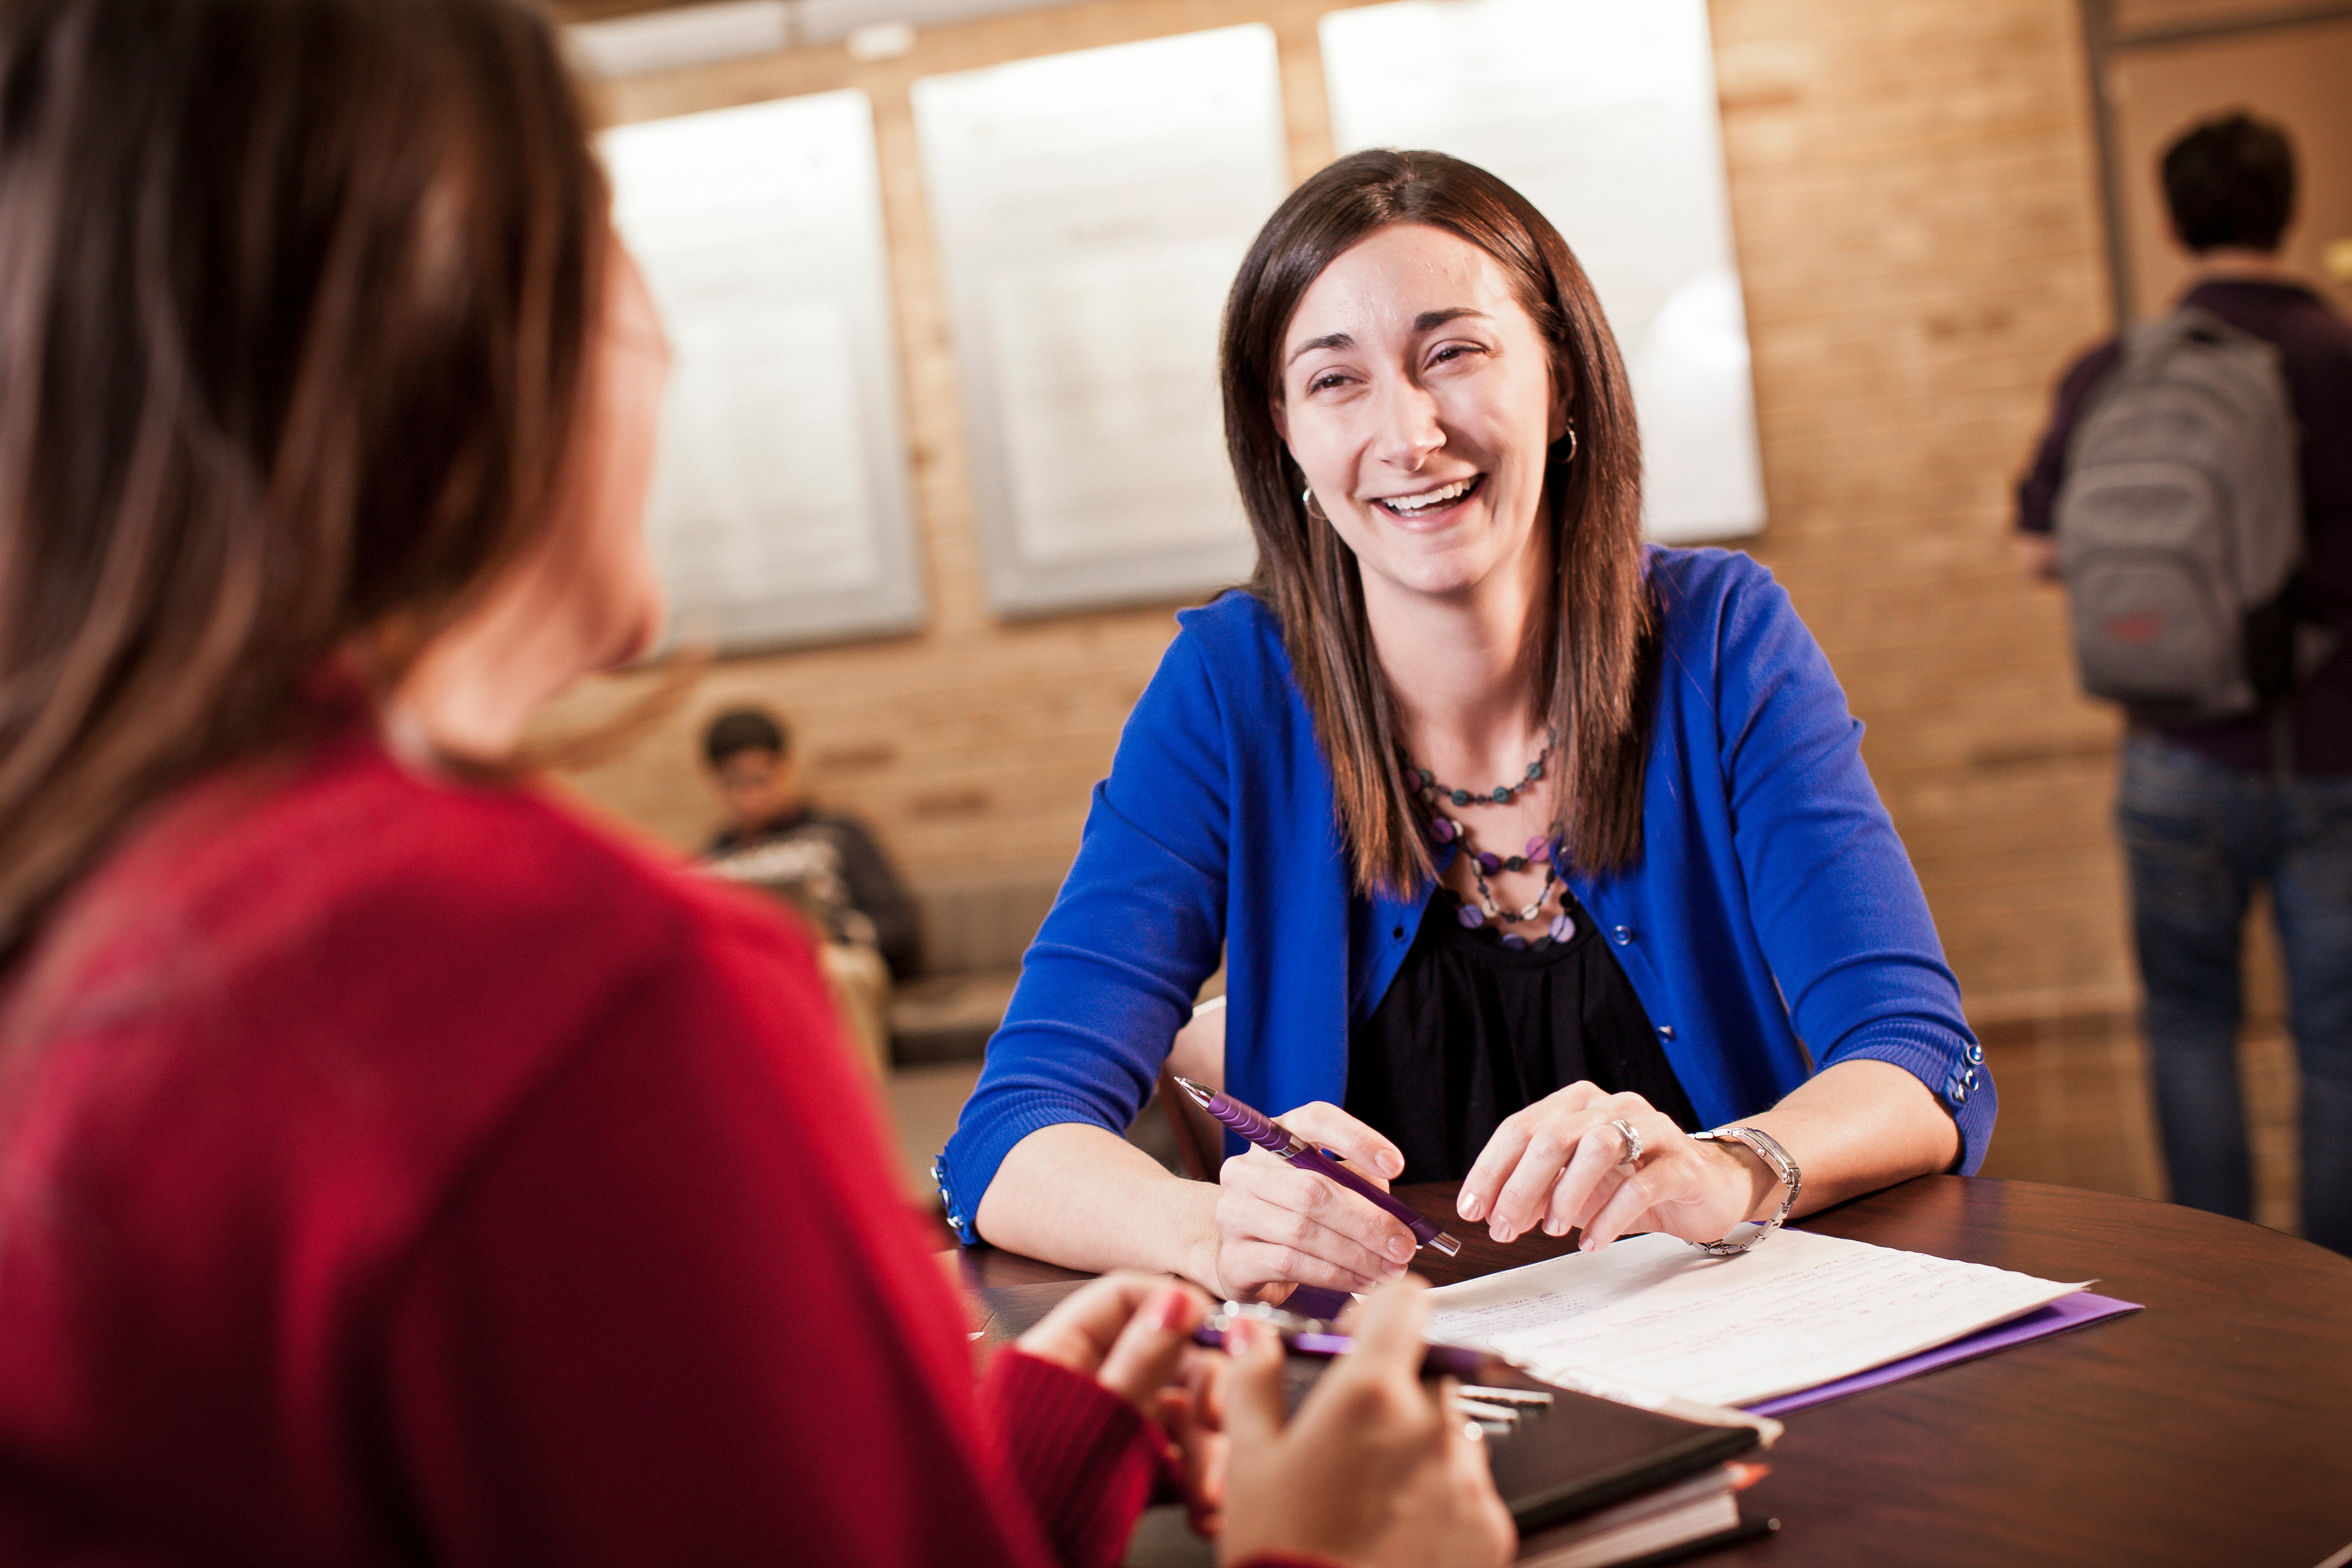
1543, 850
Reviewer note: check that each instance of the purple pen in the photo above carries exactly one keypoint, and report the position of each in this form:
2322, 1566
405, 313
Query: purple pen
1276, 1139
1314, 1336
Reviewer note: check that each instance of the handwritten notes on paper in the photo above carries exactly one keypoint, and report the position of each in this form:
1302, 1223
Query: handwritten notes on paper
1091, 210
1603, 115
1656, 1313
780, 510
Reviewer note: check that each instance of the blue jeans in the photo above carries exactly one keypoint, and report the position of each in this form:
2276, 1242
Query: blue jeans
2198, 837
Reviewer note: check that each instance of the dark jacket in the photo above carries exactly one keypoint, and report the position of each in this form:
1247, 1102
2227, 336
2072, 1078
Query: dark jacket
865, 902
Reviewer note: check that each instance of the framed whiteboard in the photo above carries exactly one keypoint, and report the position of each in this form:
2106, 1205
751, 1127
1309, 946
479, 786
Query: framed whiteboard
1091, 211
1602, 113
781, 511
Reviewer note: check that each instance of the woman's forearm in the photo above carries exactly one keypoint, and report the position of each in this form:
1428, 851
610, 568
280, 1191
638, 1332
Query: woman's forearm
1084, 1197
1852, 1127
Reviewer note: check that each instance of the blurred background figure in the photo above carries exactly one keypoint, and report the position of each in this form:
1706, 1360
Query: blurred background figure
2211, 808
825, 862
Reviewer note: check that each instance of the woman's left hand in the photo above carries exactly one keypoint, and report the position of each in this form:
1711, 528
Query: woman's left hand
1130, 1333
1559, 1164
1133, 1334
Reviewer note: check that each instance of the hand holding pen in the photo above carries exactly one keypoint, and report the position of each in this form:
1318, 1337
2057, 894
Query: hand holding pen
1294, 1214
1377, 1466
1295, 1481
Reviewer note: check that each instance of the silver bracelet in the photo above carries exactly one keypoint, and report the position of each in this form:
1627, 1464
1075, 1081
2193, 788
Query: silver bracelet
1768, 1149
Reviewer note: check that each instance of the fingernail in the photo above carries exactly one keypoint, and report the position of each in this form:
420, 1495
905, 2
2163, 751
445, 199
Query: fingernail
1392, 1270
1237, 1336
1470, 1208
1391, 1164
1400, 1247
1172, 1312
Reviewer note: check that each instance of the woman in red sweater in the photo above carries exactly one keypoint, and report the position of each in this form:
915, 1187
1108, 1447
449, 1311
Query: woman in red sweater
395, 1168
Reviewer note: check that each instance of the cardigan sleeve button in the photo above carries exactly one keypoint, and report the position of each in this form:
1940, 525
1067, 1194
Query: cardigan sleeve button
947, 1200
1665, 1031
1621, 935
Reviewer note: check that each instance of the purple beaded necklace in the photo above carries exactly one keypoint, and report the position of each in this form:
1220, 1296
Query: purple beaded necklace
1543, 851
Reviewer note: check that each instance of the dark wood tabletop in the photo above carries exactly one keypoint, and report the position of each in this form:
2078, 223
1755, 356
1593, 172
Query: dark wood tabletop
2214, 1429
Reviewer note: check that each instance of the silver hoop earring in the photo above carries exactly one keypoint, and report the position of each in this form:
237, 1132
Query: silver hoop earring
1307, 499
1569, 455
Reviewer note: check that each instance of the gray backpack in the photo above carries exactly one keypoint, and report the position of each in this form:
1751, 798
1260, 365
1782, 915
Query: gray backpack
2181, 523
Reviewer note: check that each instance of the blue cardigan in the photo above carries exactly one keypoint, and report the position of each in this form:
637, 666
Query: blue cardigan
1772, 909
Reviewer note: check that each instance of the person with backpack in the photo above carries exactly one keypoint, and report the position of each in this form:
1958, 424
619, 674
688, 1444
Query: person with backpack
2193, 491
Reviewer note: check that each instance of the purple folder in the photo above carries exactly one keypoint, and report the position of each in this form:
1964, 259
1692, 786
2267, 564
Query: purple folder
2066, 1312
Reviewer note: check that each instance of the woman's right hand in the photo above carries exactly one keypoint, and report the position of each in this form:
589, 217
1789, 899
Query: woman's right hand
1279, 1226
1376, 1470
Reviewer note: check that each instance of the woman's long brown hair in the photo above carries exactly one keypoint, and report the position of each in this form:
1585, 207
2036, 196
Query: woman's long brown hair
1598, 633
295, 302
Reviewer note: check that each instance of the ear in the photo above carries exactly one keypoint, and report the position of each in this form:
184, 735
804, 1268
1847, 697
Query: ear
1564, 400
1279, 412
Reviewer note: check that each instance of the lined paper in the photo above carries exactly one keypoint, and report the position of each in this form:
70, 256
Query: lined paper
1655, 1312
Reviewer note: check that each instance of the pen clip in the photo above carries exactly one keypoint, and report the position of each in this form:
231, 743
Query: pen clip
1275, 1317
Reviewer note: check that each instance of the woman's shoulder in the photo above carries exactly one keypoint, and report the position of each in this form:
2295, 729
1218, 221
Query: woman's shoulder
362, 959
1227, 658
558, 885
1697, 581
317, 876
1711, 600
1235, 628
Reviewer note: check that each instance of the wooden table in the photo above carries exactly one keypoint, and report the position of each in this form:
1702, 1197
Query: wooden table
2214, 1429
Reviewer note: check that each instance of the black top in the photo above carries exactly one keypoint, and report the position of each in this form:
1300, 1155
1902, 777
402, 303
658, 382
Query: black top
1471, 1031
2314, 348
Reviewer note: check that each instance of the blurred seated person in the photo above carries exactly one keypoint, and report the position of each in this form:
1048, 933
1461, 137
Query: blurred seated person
826, 865
844, 878
395, 1166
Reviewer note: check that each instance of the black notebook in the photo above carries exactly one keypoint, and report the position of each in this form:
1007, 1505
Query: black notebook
1577, 1459
1579, 1453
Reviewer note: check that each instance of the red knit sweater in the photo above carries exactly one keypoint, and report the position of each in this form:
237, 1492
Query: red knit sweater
399, 1171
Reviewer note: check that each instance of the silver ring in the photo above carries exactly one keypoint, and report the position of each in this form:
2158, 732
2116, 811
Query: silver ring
1633, 1142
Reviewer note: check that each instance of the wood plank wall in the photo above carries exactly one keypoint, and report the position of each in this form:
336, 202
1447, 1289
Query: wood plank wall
1912, 190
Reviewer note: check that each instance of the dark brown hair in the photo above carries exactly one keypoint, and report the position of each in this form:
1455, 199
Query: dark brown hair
741, 730
1597, 629
295, 302
2230, 181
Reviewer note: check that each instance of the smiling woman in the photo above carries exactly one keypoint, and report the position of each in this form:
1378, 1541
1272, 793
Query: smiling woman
1531, 853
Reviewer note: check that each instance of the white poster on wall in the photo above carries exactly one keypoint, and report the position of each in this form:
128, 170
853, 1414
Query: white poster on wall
1091, 210
1603, 115
780, 511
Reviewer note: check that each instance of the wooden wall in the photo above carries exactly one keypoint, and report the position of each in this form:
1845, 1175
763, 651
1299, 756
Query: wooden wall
1913, 191
1914, 188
